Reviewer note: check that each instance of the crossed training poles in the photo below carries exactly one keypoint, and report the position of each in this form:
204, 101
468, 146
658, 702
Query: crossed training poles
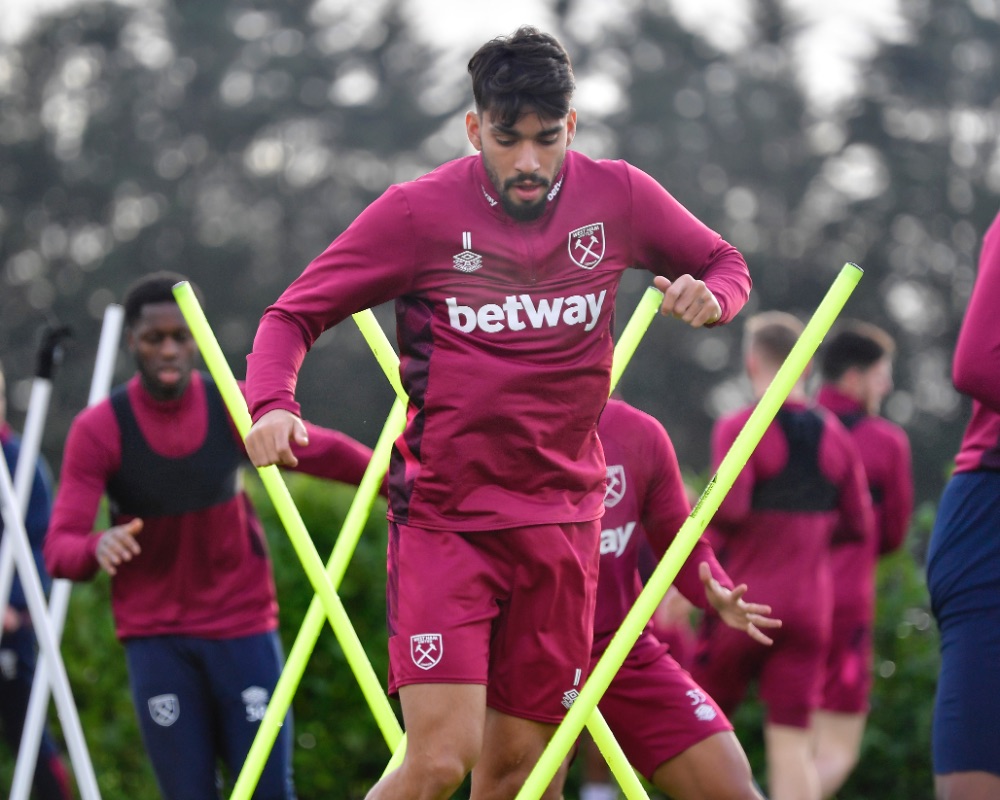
326, 604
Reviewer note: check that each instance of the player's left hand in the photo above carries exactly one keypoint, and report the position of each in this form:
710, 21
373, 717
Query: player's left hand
734, 610
689, 300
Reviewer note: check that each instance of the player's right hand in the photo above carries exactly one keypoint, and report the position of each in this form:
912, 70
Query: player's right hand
269, 440
118, 545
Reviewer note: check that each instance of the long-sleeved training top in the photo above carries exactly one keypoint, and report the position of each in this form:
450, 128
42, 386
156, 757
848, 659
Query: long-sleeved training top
803, 482
504, 330
645, 497
885, 454
976, 366
202, 572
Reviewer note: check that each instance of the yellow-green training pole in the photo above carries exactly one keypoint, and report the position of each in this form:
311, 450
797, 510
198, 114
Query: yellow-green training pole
343, 550
278, 492
638, 324
692, 529
312, 624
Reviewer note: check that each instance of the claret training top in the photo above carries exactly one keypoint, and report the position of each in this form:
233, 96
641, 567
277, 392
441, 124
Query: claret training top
973, 368
504, 330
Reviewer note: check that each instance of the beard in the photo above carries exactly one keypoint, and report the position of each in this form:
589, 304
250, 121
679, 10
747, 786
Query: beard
522, 212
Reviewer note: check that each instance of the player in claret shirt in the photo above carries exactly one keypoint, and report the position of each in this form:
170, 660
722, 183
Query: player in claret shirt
856, 368
191, 587
803, 482
962, 573
504, 266
669, 728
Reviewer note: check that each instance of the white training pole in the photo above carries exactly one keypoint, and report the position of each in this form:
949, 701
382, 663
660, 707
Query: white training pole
34, 722
24, 473
49, 354
14, 527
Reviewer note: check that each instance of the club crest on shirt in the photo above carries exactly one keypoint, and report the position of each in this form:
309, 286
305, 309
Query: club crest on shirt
614, 488
164, 709
426, 649
586, 245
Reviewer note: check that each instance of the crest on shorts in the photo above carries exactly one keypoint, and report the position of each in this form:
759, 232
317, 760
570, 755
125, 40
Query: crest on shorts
426, 649
255, 701
614, 488
586, 245
164, 709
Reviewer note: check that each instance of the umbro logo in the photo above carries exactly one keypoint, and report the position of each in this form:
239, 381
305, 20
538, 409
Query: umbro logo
467, 261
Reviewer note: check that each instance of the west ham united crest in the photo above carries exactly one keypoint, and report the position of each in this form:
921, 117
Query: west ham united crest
586, 245
614, 489
164, 709
426, 649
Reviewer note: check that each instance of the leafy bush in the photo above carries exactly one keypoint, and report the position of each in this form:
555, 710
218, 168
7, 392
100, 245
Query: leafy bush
339, 750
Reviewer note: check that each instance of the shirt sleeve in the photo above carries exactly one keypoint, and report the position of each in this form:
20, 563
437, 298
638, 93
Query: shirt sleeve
977, 353
335, 456
666, 509
371, 262
330, 454
738, 502
70, 545
669, 240
896, 507
857, 519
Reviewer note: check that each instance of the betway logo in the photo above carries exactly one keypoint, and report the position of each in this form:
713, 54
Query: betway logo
519, 312
615, 540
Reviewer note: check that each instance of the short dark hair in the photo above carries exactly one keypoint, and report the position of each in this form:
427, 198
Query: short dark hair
156, 287
854, 344
526, 71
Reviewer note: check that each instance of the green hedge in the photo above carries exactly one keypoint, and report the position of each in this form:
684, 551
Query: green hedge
339, 750
895, 752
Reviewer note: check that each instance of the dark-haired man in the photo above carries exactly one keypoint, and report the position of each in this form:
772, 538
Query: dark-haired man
856, 372
803, 482
191, 587
504, 267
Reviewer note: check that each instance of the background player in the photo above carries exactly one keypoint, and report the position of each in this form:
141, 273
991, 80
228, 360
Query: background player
191, 587
856, 371
962, 572
18, 646
669, 727
775, 527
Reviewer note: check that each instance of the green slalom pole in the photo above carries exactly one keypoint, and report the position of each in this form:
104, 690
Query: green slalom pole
692, 529
638, 324
346, 544
312, 624
284, 505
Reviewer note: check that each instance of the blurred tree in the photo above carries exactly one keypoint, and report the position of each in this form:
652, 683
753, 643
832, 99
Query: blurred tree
229, 142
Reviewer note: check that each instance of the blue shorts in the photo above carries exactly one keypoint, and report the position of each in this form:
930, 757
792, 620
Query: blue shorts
199, 702
964, 582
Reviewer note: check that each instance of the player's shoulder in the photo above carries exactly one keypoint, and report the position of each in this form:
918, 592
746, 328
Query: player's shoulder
441, 178
624, 415
629, 424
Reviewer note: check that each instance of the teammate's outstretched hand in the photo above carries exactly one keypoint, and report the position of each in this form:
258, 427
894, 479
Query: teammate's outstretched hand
118, 545
734, 610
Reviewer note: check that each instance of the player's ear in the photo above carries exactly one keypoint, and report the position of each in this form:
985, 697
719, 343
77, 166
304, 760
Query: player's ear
473, 129
570, 127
